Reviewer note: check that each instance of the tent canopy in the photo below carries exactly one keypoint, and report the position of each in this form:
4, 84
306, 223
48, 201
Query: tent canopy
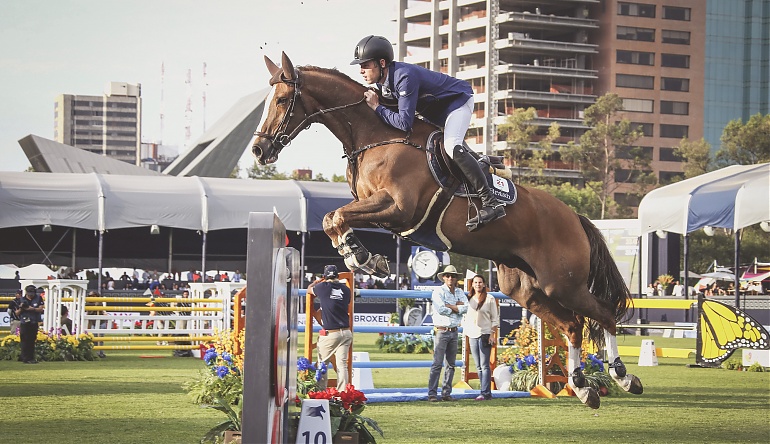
733, 197
103, 202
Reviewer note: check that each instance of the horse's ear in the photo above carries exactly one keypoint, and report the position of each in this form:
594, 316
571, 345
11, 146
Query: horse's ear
288, 67
271, 67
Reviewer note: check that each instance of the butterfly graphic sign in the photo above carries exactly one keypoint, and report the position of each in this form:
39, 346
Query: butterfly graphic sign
724, 329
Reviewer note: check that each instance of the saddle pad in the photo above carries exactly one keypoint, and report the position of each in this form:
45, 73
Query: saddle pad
503, 189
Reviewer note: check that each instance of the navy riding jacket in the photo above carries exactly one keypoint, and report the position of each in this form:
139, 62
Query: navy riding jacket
433, 94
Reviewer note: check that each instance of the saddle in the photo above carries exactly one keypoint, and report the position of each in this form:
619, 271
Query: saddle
447, 175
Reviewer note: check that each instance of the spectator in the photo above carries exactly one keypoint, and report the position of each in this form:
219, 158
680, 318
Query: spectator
678, 290
30, 313
16, 276
237, 276
225, 277
449, 306
14, 305
66, 322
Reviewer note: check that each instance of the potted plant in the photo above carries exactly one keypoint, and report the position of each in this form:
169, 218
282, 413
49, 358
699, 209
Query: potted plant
347, 423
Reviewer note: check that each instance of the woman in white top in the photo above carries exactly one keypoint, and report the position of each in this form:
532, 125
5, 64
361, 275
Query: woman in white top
480, 325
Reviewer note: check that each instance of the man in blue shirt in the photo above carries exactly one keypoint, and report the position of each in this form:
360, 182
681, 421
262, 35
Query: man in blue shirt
449, 306
335, 337
441, 99
30, 313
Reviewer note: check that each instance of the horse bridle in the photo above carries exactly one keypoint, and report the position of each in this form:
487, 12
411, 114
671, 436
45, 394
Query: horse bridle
280, 139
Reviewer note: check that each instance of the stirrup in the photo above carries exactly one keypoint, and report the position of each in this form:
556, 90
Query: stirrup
484, 216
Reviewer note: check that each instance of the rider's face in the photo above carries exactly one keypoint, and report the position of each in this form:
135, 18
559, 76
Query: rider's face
370, 71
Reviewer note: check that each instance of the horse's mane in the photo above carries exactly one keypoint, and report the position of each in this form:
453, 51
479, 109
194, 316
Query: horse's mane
330, 71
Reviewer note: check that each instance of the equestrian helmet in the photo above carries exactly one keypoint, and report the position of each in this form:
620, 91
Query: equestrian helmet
373, 47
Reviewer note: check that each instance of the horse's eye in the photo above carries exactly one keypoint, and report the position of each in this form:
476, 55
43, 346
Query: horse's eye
281, 101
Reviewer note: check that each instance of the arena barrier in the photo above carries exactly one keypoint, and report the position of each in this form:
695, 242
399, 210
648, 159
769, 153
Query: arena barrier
173, 323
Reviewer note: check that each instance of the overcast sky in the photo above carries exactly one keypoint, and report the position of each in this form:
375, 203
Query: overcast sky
57, 47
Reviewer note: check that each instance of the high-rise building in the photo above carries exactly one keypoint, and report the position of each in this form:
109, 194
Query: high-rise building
110, 124
737, 63
515, 54
651, 54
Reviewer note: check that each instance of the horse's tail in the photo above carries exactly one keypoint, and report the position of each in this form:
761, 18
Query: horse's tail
604, 281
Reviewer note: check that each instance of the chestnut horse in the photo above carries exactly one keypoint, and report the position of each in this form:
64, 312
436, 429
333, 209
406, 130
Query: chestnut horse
549, 259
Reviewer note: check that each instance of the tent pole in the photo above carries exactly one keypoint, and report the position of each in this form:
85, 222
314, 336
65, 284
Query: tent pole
737, 265
74, 241
686, 265
203, 258
101, 247
302, 261
170, 248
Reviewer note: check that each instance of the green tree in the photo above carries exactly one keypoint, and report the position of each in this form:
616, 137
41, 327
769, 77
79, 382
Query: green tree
339, 178
696, 157
746, 144
265, 172
606, 153
583, 200
519, 133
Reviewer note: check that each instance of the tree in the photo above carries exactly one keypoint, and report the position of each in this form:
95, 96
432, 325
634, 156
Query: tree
519, 133
606, 153
583, 200
265, 172
339, 178
696, 157
746, 144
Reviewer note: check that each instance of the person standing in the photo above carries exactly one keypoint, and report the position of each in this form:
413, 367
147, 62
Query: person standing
335, 337
12, 307
480, 325
678, 290
449, 306
30, 313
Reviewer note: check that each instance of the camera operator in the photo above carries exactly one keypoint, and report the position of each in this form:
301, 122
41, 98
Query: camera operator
30, 313
12, 307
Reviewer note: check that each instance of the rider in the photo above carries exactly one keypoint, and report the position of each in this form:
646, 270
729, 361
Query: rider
442, 99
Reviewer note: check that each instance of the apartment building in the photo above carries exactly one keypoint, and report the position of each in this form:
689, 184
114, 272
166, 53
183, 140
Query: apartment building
515, 54
652, 55
109, 124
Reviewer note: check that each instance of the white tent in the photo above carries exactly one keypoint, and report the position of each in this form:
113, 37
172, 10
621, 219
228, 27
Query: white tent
733, 197
104, 202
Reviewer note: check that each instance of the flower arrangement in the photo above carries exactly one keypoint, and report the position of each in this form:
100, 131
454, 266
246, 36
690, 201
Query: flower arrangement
345, 410
51, 346
405, 343
523, 357
220, 386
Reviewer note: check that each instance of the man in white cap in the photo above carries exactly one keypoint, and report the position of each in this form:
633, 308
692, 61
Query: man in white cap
449, 306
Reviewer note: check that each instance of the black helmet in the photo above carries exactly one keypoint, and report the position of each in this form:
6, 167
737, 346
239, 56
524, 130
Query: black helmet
373, 47
330, 272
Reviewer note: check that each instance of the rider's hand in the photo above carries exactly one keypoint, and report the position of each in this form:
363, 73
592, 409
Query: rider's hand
371, 99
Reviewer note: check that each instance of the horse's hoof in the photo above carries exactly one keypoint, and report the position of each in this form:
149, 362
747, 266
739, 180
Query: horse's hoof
631, 384
381, 267
635, 388
588, 396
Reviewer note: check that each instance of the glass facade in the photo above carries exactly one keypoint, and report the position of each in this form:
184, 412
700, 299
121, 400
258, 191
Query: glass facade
737, 63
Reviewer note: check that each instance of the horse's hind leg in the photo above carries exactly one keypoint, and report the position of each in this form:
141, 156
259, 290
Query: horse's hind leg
522, 288
617, 369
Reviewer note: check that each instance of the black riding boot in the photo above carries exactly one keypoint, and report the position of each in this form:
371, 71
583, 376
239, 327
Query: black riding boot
491, 209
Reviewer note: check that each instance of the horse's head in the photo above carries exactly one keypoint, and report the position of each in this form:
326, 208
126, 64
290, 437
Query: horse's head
279, 123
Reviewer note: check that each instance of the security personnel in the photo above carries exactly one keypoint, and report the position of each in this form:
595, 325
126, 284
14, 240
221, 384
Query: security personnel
335, 337
30, 312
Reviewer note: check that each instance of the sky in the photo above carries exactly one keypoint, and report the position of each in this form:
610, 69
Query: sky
57, 47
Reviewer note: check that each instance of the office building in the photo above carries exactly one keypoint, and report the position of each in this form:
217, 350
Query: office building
110, 124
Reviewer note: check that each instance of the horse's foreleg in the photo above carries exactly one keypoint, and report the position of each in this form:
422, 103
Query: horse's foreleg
362, 213
617, 369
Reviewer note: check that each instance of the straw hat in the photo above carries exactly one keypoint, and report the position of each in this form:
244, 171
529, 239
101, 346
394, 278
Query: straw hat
450, 269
